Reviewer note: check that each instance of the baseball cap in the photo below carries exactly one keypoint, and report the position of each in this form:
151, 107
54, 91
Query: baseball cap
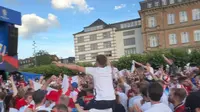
74, 85
192, 101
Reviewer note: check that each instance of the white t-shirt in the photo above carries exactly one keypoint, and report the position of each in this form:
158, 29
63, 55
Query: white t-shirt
151, 70
114, 73
127, 87
73, 94
123, 99
159, 108
146, 106
103, 83
136, 100
43, 108
103, 110
164, 99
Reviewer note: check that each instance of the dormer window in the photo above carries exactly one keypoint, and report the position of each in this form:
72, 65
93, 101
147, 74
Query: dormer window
89, 29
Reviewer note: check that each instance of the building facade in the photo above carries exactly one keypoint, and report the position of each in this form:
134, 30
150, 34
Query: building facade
112, 40
68, 60
170, 23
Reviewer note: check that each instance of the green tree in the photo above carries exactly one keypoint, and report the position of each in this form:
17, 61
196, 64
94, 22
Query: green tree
43, 58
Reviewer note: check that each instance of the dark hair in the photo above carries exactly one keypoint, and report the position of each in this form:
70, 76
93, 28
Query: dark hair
144, 91
144, 88
9, 102
28, 94
181, 79
38, 96
61, 107
2, 95
30, 89
101, 60
81, 94
180, 93
155, 91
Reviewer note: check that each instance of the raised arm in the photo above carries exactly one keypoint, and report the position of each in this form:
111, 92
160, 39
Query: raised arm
140, 64
44, 87
14, 88
71, 67
167, 60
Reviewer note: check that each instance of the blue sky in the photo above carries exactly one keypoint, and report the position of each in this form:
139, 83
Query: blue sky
52, 23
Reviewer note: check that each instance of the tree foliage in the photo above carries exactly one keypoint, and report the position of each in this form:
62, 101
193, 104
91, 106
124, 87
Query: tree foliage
43, 58
180, 56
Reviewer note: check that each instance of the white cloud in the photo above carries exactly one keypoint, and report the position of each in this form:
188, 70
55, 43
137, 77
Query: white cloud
64, 4
33, 24
120, 6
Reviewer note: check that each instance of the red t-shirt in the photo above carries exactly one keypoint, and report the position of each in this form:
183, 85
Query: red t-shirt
88, 98
130, 93
188, 89
180, 108
20, 103
71, 103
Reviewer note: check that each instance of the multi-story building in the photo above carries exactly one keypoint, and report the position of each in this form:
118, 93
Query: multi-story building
170, 23
112, 40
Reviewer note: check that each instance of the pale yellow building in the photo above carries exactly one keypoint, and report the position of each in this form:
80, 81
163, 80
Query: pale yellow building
113, 40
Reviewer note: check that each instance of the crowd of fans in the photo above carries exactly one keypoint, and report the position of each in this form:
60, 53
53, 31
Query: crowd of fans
105, 89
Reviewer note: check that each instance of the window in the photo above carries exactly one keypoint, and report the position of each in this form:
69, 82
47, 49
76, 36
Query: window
80, 39
94, 46
153, 42
197, 35
108, 53
152, 22
93, 37
172, 39
156, 3
129, 41
93, 55
130, 51
132, 32
81, 48
164, 2
106, 35
171, 18
184, 37
183, 16
196, 14
82, 57
107, 44
149, 5
171, 1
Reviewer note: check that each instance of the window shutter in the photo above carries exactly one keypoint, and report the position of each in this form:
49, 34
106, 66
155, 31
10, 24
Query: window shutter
185, 16
149, 22
169, 18
157, 40
148, 41
194, 14
175, 39
182, 37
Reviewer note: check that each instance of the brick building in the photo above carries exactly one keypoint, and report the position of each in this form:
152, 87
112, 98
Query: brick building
170, 23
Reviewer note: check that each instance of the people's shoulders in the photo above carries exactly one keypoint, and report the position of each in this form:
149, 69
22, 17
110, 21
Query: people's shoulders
44, 108
146, 106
